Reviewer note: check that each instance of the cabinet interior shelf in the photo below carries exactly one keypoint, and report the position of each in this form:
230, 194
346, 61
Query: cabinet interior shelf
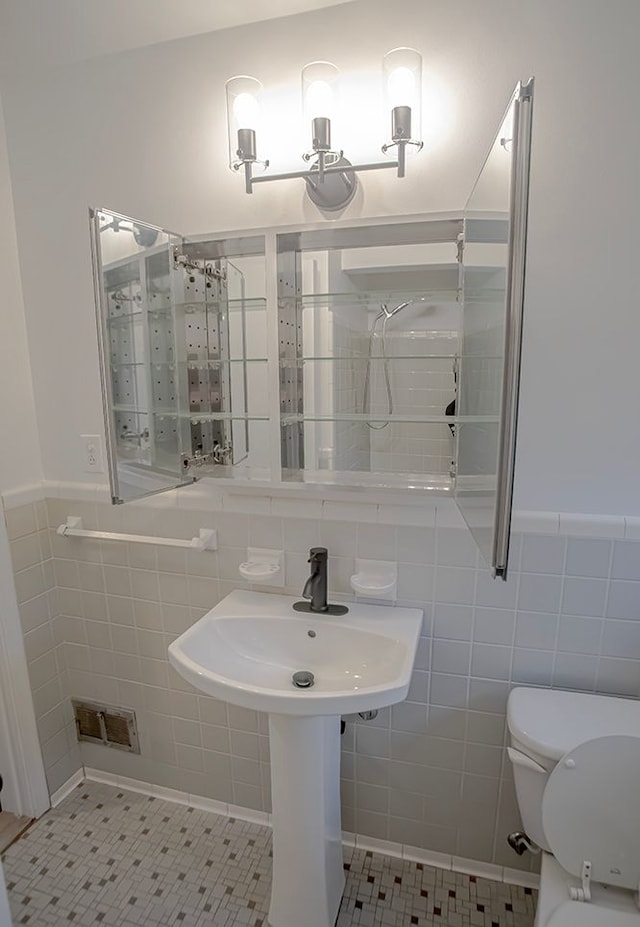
189, 364
391, 358
234, 305
193, 417
371, 298
394, 418
157, 312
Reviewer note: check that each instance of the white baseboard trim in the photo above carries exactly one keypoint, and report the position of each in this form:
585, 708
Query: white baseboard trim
383, 847
67, 787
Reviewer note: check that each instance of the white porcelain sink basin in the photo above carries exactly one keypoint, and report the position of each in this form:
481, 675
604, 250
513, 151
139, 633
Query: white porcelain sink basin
247, 648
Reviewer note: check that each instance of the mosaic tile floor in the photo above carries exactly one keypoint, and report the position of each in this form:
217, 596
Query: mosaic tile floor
116, 858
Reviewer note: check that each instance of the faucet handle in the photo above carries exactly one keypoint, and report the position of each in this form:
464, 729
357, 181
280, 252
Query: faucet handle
318, 554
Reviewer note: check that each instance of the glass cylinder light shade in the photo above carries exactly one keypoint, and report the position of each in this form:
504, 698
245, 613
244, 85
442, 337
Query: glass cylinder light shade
402, 72
243, 119
319, 100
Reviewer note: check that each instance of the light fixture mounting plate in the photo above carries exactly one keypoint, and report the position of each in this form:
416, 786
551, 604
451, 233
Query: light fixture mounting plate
337, 188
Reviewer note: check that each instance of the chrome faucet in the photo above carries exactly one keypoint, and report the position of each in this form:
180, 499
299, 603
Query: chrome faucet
315, 587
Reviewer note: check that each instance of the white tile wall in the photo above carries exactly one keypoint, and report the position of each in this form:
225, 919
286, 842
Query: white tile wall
430, 772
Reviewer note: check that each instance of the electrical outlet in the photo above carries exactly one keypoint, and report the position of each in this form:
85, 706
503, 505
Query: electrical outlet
92, 451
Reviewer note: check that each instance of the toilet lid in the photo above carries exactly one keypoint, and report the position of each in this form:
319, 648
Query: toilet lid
591, 810
576, 914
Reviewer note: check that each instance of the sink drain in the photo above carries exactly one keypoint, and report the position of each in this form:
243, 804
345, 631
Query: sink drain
303, 679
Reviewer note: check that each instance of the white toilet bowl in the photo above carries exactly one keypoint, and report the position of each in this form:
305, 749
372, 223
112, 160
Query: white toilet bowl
576, 762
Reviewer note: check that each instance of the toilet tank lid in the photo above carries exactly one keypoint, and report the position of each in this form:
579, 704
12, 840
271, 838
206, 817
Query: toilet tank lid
551, 721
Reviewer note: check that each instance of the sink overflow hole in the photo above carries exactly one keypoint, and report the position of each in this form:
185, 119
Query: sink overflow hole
311, 633
303, 679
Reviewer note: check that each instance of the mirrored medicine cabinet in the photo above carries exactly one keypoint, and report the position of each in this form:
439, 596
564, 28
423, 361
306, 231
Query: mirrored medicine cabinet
382, 354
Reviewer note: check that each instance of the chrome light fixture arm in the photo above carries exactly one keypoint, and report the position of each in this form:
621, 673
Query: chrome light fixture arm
401, 144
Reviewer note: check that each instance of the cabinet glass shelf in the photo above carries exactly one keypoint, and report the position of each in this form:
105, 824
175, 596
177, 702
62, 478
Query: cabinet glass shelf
371, 480
231, 304
126, 318
372, 297
195, 417
364, 358
214, 363
378, 418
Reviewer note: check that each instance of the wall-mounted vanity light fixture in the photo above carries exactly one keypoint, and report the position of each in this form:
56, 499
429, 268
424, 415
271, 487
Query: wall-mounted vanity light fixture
331, 178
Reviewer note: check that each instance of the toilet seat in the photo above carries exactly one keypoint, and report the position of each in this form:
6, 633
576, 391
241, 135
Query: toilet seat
575, 914
591, 812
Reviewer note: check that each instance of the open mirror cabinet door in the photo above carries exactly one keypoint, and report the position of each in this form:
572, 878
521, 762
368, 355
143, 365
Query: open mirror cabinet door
392, 347
492, 299
175, 350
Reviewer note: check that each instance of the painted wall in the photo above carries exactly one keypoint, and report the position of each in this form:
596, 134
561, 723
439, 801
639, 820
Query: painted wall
20, 455
144, 133
19, 465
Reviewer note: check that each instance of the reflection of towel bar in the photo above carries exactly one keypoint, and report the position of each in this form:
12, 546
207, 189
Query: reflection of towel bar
72, 528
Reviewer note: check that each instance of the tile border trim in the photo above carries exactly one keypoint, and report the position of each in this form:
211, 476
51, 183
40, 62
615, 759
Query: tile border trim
439, 512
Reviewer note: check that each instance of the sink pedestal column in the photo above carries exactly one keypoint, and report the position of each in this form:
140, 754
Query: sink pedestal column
308, 878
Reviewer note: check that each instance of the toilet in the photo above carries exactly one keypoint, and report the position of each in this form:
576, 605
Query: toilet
576, 765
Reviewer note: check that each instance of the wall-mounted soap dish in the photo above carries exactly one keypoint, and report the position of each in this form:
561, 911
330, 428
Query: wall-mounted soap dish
376, 579
263, 567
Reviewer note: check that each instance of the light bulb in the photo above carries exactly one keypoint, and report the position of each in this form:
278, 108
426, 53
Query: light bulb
401, 87
319, 99
246, 111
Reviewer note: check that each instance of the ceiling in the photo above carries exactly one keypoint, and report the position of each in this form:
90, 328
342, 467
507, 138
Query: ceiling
38, 34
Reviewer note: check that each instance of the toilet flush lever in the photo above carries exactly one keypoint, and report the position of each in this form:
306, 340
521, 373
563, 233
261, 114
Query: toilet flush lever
584, 893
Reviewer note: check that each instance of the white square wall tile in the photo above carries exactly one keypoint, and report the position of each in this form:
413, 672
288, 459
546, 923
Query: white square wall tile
455, 585
621, 639
532, 667
579, 635
626, 560
588, 557
415, 544
451, 657
493, 625
623, 600
448, 515
495, 592
453, 622
456, 547
618, 677
489, 661
539, 592
582, 596
575, 671
543, 554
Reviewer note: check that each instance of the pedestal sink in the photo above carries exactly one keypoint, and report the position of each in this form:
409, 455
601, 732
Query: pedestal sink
246, 651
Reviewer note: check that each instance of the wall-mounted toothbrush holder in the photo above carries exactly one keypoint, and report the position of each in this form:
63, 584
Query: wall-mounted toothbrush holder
376, 579
263, 567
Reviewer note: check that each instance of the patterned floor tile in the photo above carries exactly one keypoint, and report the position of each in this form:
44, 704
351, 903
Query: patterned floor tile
111, 858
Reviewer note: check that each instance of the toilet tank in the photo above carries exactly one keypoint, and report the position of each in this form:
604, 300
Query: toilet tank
544, 724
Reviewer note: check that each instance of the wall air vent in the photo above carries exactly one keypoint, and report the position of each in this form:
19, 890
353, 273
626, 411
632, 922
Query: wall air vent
104, 724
